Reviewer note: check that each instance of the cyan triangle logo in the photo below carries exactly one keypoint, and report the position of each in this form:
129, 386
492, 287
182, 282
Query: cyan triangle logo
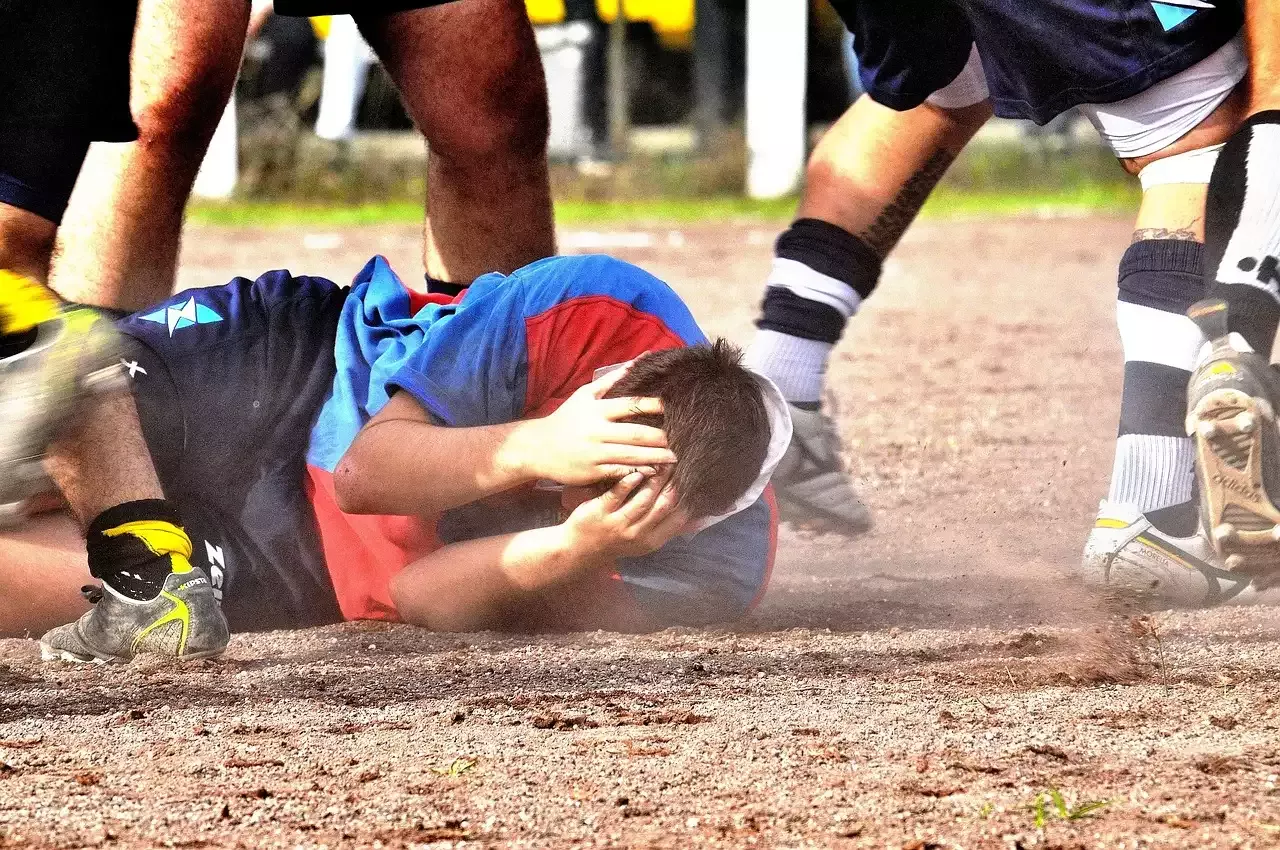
1174, 13
183, 316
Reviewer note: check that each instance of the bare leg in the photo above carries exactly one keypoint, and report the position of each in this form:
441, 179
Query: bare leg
26, 243
42, 568
103, 462
119, 242
875, 168
471, 78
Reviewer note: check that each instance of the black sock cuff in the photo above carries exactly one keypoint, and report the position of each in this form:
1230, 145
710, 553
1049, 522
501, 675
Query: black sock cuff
436, 286
1266, 116
1164, 274
832, 251
1163, 255
788, 313
1253, 313
143, 510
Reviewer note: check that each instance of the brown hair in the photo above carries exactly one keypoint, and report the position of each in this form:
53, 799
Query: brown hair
714, 418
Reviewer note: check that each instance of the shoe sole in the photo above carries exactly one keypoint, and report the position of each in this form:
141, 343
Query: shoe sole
50, 653
1231, 430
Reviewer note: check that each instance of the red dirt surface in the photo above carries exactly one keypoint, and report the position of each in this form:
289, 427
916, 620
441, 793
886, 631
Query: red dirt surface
926, 685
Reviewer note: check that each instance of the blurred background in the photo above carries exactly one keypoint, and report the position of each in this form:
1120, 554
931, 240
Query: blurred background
649, 107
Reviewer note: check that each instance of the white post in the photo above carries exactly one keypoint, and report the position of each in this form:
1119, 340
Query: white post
217, 176
776, 65
346, 65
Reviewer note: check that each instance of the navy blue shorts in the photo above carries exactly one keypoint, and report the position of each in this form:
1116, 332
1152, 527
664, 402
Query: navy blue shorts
228, 381
64, 82
362, 8
38, 170
1041, 58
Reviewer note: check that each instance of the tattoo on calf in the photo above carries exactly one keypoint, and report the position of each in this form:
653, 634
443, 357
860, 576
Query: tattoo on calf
893, 221
1186, 235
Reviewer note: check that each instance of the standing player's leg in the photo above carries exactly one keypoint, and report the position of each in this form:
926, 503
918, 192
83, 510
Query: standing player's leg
1147, 537
471, 78
1234, 392
119, 244
65, 81
865, 183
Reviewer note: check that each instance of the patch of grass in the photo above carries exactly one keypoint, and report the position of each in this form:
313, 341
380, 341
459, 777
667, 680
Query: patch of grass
1050, 803
947, 202
457, 767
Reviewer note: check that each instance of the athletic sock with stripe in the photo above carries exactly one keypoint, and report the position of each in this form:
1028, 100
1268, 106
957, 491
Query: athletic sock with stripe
133, 547
1242, 231
1154, 467
821, 273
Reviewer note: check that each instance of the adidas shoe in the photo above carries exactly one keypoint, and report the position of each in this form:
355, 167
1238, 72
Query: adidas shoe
813, 489
40, 389
1126, 552
183, 622
1231, 416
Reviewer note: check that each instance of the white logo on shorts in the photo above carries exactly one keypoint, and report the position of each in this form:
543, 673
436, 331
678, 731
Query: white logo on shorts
217, 567
134, 369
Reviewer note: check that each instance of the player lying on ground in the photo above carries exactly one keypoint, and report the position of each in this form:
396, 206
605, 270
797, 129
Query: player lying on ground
1162, 85
331, 453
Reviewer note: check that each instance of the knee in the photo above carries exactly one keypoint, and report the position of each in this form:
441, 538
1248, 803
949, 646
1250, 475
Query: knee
182, 119
183, 111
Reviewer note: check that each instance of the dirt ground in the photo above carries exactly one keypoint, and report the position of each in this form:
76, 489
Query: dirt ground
930, 684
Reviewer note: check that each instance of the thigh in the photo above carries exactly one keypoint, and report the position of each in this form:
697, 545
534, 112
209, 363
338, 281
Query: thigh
185, 59
461, 69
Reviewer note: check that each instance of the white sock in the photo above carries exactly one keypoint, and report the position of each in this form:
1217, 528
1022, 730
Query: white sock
798, 366
1152, 472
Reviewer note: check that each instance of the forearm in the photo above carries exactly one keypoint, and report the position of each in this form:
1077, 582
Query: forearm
488, 583
406, 466
1262, 27
875, 167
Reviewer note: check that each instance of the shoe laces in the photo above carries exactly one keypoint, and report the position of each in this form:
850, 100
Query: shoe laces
92, 592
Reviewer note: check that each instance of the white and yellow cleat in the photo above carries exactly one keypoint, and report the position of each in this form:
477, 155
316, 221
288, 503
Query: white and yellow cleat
73, 352
1231, 416
1126, 553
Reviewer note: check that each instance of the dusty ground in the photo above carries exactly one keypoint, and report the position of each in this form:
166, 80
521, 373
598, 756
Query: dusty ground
921, 686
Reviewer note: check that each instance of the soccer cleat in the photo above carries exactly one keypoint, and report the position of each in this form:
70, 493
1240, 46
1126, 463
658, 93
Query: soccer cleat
1231, 416
182, 622
813, 490
73, 354
1125, 552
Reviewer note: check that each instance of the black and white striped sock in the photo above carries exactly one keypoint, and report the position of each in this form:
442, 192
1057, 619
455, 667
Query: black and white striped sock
1154, 467
821, 273
1242, 231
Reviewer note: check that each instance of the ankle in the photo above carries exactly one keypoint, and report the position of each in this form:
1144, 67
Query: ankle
134, 547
